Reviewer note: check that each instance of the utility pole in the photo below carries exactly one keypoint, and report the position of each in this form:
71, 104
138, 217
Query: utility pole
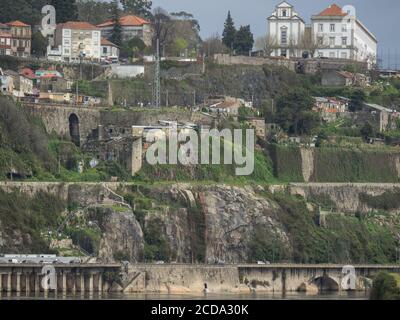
81, 55
157, 83
194, 98
167, 99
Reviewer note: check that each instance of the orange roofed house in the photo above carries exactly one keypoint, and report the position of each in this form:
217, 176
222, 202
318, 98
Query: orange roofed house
132, 27
74, 41
340, 34
15, 39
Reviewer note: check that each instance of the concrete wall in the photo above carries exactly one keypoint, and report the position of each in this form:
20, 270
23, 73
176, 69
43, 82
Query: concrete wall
226, 59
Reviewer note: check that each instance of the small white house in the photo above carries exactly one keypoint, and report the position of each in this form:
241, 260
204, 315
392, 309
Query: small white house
109, 50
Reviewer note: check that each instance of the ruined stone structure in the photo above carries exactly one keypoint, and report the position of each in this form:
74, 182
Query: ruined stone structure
105, 133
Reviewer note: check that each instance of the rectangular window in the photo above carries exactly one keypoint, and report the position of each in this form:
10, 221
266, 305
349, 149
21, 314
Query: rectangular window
344, 41
321, 27
332, 27
284, 37
331, 55
344, 27
320, 40
343, 55
332, 41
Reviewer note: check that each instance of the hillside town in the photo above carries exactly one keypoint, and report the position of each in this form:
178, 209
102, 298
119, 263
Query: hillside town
336, 45
90, 88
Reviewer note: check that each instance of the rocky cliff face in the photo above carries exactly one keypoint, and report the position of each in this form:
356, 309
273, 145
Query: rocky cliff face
122, 236
217, 223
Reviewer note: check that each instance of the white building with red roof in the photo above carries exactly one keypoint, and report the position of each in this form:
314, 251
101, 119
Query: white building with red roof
109, 50
132, 27
75, 40
340, 34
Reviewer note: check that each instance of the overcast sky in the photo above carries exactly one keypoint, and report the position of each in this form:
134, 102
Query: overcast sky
380, 17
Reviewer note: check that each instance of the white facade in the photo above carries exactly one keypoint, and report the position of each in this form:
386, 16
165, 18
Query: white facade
335, 32
285, 31
343, 36
73, 39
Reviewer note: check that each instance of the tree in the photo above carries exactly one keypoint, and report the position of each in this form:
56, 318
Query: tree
66, 10
266, 44
309, 43
138, 7
28, 11
213, 45
93, 11
385, 287
180, 44
132, 48
161, 25
229, 33
367, 131
358, 98
294, 112
39, 44
244, 40
116, 34
186, 16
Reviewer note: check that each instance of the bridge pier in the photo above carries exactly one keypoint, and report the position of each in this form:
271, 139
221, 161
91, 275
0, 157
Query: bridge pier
64, 282
37, 282
91, 283
100, 283
82, 282
8, 287
27, 283
18, 282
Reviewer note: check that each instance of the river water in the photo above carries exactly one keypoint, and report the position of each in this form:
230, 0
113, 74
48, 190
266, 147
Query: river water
255, 296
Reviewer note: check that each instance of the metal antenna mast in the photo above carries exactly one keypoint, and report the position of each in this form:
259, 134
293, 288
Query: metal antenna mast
157, 82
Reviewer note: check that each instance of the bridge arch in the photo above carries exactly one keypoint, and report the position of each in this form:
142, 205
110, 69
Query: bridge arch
326, 283
74, 129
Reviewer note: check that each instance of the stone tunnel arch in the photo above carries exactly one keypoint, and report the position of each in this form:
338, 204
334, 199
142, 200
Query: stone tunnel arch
74, 129
325, 283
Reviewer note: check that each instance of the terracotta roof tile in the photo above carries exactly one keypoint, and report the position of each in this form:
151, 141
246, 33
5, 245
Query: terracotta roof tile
77, 25
17, 23
126, 21
333, 11
105, 42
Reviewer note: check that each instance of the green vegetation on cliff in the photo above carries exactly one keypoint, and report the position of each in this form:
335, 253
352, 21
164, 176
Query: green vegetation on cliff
24, 148
342, 239
337, 164
25, 221
386, 286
